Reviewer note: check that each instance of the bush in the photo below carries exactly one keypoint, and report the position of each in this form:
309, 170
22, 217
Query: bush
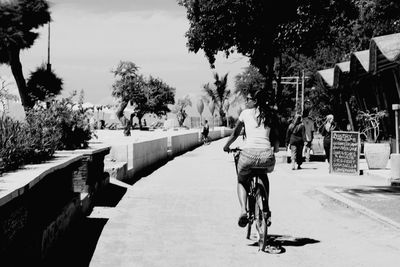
48, 127
70, 122
13, 143
44, 134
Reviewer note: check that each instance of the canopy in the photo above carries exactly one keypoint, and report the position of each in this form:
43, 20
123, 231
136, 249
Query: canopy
383, 54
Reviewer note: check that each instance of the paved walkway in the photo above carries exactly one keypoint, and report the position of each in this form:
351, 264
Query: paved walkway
185, 214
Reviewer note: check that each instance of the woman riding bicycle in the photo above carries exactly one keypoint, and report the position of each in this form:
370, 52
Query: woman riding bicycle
260, 123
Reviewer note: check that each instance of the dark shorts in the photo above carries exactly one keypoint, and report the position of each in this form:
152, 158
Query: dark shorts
262, 159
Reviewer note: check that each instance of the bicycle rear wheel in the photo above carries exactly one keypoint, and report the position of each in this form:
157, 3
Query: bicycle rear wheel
261, 217
251, 203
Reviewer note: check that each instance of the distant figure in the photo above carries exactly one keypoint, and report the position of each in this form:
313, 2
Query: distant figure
295, 139
144, 122
309, 128
326, 130
92, 123
204, 133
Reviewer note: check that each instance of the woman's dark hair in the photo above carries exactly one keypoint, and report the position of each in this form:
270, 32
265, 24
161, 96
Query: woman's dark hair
267, 115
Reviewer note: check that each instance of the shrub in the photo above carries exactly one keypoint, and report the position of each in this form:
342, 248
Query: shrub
44, 134
13, 142
71, 123
48, 127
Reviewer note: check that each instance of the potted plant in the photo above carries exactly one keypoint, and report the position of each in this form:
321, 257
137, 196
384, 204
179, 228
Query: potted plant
376, 153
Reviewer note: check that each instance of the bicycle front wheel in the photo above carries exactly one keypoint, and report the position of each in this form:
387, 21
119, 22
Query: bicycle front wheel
261, 217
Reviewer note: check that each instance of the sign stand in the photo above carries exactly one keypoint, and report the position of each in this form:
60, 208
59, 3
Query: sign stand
345, 153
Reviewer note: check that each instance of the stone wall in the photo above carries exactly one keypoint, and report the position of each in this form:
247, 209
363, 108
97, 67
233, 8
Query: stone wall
40, 202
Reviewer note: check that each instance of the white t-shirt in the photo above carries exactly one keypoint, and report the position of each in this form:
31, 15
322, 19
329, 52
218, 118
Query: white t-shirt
256, 136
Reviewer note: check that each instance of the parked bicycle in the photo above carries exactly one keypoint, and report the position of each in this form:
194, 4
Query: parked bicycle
257, 206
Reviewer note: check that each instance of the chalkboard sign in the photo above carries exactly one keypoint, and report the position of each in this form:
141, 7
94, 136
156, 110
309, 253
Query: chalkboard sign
345, 152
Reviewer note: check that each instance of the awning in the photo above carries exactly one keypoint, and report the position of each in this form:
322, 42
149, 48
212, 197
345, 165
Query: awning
359, 64
326, 76
383, 54
340, 70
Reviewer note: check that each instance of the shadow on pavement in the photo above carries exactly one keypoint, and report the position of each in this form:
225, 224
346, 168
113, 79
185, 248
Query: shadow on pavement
285, 240
389, 190
277, 243
110, 195
78, 245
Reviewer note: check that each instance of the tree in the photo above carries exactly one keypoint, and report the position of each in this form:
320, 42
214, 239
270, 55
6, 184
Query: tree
43, 84
250, 80
153, 97
18, 20
128, 86
180, 109
251, 27
219, 94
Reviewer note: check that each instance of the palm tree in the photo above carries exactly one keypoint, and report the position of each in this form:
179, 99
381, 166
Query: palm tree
19, 19
219, 94
43, 84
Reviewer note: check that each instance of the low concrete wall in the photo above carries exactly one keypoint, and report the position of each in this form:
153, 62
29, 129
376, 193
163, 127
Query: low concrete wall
119, 153
215, 134
148, 153
40, 202
144, 154
184, 142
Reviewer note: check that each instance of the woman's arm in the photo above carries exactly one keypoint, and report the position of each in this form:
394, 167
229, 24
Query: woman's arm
234, 135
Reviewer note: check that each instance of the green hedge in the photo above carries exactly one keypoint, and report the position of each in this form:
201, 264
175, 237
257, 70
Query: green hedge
48, 127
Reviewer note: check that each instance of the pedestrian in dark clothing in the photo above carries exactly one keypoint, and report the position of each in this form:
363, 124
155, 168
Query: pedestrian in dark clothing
295, 138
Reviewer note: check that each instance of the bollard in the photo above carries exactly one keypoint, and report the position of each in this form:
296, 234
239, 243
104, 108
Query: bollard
395, 157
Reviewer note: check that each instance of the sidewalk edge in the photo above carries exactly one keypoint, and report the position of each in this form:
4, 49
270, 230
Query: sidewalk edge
359, 208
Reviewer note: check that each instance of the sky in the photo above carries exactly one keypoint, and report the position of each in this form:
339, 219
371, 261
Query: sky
90, 37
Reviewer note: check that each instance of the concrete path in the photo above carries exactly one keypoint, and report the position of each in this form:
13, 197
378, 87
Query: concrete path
185, 214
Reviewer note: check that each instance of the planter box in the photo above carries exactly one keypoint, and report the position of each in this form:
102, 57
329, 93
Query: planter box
377, 155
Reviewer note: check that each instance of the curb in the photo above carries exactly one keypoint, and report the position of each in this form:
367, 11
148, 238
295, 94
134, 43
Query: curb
359, 208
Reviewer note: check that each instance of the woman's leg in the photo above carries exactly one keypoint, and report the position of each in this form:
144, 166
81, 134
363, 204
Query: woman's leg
299, 155
242, 196
327, 148
293, 156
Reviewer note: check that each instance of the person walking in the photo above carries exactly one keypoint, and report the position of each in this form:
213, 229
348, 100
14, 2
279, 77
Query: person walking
262, 141
295, 139
326, 131
309, 128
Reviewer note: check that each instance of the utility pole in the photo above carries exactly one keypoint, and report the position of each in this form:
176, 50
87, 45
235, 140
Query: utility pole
295, 80
303, 78
48, 49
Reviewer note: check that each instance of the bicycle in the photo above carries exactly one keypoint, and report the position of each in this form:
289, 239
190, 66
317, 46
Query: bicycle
205, 139
257, 206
